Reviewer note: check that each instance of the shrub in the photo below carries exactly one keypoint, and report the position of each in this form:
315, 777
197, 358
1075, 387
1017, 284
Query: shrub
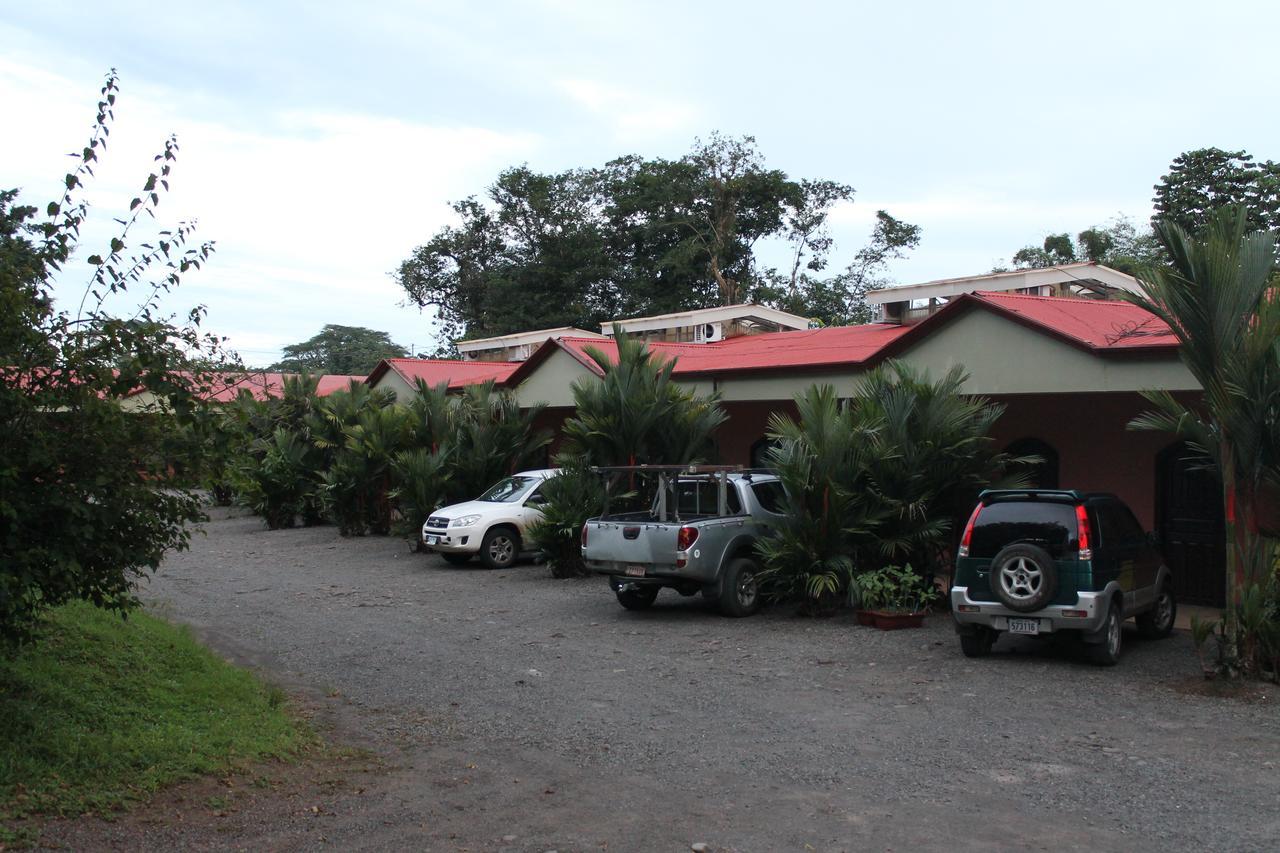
276, 481
878, 480
831, 512
80, 512
893, 589
421, 480
571, 498
364, 432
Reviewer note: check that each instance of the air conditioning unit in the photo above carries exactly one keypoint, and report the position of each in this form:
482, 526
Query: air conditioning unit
706, 333
521, 352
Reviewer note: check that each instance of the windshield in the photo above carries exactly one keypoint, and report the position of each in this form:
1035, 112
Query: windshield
508, 490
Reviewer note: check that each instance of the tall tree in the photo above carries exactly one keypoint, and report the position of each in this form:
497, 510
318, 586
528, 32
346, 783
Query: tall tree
1202, 181
635, 236
343, 350
1119, 245
80, 512
1218, 296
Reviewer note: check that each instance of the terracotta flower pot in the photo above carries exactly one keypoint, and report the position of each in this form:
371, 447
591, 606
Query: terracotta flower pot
866, 617
887, 621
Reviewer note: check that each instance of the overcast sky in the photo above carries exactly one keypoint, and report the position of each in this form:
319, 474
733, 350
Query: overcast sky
322, 142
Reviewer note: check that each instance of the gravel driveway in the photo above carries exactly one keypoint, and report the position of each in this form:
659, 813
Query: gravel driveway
513, 711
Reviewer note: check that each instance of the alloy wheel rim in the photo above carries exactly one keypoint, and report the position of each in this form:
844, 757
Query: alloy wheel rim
1113, 636
1164, 610
1021, 578
500, 549
747, 589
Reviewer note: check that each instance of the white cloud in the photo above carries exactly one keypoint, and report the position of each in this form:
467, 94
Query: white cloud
309, 215
630, 114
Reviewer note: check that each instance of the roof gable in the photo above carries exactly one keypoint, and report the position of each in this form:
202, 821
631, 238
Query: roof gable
435, 371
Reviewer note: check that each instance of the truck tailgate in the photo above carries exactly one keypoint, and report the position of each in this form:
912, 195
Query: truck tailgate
640, 542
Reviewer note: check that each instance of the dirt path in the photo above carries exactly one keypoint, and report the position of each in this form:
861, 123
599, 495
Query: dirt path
508, 711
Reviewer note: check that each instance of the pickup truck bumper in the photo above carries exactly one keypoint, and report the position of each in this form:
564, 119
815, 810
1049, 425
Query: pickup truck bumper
1085, 615
653, 574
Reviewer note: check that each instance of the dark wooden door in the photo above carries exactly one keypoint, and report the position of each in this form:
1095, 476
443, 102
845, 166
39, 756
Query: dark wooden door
1192, 533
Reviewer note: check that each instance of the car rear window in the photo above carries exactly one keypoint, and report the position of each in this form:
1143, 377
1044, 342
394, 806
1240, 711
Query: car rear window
1049, 525
700, 497
771, 496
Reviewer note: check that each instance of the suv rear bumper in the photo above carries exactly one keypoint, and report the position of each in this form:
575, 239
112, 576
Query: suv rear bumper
992, 614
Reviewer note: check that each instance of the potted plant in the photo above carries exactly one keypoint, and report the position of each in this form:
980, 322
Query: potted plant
892, 597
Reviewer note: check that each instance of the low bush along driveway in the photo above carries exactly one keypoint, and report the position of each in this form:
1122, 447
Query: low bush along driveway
517, 705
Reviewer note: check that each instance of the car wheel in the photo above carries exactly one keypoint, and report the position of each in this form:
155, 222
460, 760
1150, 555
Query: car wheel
638, 599
977, 644
456, 559
499, 548
739, 590
1023, 577
1158, 621
1107, 653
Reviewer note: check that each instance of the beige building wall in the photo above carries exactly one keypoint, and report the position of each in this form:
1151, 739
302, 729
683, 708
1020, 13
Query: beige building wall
1003, 357
552, 383
1000, 356
395, 382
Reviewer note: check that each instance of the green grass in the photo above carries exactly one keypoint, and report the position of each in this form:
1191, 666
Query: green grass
102, 711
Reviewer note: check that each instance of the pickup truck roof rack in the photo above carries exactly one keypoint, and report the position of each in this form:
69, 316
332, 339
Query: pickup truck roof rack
671, 469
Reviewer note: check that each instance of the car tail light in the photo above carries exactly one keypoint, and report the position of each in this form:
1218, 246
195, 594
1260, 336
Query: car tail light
686, 537
968, 531
1083, 531
584, 536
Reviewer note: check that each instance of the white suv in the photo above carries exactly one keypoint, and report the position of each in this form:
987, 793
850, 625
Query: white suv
493, 525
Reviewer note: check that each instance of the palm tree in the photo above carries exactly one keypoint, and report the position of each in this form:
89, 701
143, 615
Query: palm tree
635, 414
1219, 297
832, 511
935, 454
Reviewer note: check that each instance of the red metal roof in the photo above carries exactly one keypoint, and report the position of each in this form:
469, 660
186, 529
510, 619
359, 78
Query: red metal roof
437, 370
227, 386
1102, 327
1098, 324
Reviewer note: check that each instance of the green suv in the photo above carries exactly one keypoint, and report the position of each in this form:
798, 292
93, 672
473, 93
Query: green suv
1036, 561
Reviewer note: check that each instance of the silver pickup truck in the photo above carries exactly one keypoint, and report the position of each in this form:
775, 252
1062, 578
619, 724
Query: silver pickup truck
698, 534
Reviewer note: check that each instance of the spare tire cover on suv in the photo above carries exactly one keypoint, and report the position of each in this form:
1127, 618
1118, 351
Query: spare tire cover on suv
1023, 577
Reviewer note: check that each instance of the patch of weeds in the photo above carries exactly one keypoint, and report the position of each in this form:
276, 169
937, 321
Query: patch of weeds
101, 711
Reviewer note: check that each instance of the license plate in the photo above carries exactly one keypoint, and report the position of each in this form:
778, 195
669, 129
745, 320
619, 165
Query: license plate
1024, 626
635, 571
431, 540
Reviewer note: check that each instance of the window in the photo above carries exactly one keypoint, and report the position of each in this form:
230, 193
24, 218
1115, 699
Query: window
701, 497
1048, 524
509, 490
760, 452
771, 496
1043, 475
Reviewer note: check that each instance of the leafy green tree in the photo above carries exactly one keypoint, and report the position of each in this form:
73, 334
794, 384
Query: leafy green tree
637, 236
1205, 180
1119, 245
81, 513
841, 299
1219, 296
340, 350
